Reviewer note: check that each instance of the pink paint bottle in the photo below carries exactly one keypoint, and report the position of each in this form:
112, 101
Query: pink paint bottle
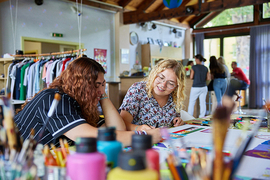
144, 143
86, 163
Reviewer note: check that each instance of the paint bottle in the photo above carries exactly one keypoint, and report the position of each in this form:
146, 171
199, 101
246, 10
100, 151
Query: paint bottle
132, 166
108, 145
144, 143
86, 163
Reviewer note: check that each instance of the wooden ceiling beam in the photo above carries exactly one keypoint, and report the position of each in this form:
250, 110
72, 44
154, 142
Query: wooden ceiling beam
218, 5
99, 5
144, 5
208, 18
196, 19
124, 3
160, 7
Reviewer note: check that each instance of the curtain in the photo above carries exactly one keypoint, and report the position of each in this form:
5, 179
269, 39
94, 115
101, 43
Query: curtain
199, 43
259, 74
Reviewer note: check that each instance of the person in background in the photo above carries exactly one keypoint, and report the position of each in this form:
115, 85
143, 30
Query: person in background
240, 82
81, 86
218, 75
199, 73
190, 63
227, 72
156, 101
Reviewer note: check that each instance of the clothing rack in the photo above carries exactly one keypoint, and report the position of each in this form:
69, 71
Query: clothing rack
50, 54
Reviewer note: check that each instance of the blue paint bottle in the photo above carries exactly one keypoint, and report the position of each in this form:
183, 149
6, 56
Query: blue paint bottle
108, 145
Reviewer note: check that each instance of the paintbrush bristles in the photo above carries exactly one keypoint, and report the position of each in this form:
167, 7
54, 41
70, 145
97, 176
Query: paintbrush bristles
221, 122
57, 96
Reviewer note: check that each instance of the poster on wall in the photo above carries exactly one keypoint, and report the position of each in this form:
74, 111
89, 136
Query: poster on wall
100, 55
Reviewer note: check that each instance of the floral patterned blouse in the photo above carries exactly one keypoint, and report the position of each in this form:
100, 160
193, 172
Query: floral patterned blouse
146, 110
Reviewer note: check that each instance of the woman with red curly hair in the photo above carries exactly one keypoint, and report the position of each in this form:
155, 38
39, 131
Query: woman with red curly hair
81, 86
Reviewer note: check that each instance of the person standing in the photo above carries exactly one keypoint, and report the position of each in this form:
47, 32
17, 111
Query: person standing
240, 82
200, 74
227, 72
219, 77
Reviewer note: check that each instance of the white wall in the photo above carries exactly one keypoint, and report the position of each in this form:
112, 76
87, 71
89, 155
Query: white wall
161, 32
57, 16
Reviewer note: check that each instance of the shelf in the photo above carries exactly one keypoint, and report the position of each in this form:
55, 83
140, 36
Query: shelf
3, 78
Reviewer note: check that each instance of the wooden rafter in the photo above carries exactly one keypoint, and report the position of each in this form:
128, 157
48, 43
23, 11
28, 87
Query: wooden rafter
98, 5
124, 3
160, 7
196, 19
211, 16
218, 5
144, 5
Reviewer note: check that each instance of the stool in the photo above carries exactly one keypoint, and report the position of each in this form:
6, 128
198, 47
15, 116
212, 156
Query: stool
239, 110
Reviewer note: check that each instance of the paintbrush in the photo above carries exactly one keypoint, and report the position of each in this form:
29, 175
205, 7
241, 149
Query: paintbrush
221, 122
174, 157
9, 124
241, 150
53, 107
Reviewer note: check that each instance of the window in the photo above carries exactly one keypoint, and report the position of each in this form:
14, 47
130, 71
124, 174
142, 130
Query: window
266, 10
237, 49
233, 16
211, 48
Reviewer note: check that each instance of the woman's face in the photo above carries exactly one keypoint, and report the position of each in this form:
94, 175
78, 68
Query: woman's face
100, 85
165, 83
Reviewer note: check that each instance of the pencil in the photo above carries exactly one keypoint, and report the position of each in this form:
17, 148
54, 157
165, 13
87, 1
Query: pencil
66, 146
63, 149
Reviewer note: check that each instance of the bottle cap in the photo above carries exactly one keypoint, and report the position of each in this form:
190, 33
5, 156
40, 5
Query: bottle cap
141, 142
131, 161
106, 134
86, 145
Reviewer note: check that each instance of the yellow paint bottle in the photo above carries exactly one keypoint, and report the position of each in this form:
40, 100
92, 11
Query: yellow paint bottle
132, 166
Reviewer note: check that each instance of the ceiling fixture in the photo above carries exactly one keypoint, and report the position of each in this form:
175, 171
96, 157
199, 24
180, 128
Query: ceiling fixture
189, 9
154, 26
39, 2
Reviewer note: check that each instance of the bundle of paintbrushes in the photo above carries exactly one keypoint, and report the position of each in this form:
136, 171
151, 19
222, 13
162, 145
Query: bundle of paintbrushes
213, 164
16, 159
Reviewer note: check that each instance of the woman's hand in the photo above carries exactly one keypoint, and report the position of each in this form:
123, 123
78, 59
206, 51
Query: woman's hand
144, 127
156, 135
178, 122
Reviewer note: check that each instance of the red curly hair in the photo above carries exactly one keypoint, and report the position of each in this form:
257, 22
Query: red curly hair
78, 81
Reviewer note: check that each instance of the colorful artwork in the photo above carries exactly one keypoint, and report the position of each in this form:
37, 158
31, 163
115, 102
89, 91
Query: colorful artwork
260, 151
188, 130
100, 55
207, 131
266, 137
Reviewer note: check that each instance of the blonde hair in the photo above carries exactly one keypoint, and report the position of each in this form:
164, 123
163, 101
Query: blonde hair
221, 60
178, 94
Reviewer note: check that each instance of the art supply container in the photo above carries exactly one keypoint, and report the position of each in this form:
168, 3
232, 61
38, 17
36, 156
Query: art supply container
144, 143
54, 172
86, 163
132, 166
108, 145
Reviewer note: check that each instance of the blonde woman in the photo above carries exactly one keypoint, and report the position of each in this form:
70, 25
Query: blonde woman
227, 72
156, 101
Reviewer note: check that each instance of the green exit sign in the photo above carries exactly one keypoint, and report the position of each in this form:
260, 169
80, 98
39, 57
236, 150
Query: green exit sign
57, 35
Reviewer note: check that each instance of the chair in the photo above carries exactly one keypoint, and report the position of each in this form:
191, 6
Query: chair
239, 97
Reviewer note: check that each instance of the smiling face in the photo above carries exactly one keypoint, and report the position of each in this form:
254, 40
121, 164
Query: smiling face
165, 83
